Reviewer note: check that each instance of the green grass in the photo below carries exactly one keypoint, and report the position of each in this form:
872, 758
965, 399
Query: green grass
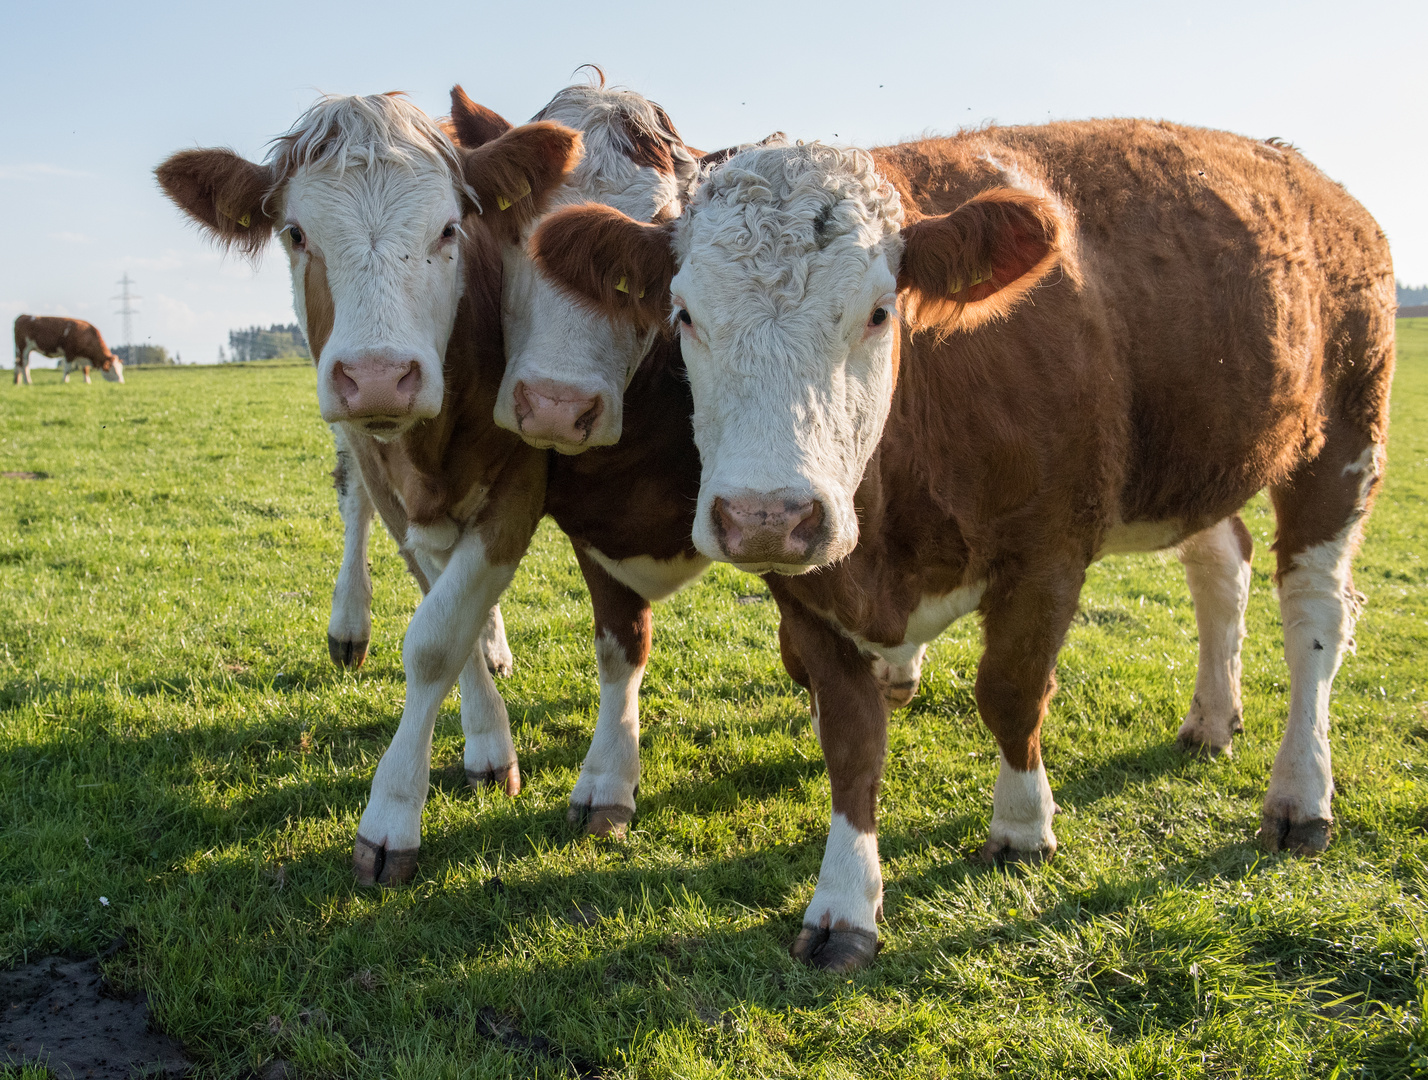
174, 738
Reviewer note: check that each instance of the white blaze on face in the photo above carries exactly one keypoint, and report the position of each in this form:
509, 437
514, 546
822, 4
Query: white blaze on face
556, 350
784, 259
370, 219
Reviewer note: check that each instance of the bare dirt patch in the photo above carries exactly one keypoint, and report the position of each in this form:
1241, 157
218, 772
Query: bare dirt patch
21, 474
64, 1015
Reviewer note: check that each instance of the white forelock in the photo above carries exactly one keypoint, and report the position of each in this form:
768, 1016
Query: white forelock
773, 208
339, 131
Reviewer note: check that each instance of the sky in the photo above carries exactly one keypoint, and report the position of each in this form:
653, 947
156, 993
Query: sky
99, 94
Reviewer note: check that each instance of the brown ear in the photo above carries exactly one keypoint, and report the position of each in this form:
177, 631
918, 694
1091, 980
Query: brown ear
976, 263
224, 193
514, 174
620, 267
474, 125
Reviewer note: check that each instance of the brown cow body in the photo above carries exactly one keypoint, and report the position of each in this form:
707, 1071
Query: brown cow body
1218, 320
74, 342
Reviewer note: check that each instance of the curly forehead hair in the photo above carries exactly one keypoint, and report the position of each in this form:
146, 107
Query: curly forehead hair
775, 208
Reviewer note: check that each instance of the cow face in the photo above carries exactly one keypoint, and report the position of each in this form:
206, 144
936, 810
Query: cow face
785, 278
370, 200
566, 370
112, 370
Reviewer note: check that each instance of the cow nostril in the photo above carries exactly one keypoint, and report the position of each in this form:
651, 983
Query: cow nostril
409, 382
586, 421
346, 385
806, 531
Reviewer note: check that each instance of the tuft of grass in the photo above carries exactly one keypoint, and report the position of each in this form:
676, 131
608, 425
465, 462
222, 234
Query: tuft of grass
174, 738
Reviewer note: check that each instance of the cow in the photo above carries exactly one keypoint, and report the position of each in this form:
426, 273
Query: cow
392, 235
74, 342
950, 374
472, 492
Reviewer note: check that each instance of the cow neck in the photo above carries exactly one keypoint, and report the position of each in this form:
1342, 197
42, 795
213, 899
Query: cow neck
445, 466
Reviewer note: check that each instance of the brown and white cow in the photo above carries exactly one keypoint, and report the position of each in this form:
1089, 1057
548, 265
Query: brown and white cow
74, 342
1129, 328
393, 239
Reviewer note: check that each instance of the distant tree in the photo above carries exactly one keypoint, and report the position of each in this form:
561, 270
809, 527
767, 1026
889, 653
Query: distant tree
144, 354
1409, 296
275, 342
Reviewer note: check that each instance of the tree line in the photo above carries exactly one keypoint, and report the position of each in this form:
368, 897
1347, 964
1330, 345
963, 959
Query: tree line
279, 341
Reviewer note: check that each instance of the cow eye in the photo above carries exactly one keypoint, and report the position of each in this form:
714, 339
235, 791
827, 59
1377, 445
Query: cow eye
878, 317
684, 317
448, 232
295, 235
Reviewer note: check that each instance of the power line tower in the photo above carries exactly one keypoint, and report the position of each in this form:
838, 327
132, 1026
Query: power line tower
127, 310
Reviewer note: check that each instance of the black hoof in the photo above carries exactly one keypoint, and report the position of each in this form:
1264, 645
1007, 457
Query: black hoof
508, 779
1003, 855
1306, 838
347, 654
835, 950
375, 865
606, 821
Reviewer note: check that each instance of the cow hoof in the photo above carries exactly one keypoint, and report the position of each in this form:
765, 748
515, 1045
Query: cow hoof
507, 779
607, 821
1195, 746
346, 654
835, 950
1002, 854
376, 865
1305, 838
501, 666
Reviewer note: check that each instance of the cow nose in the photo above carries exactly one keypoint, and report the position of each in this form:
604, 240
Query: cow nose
554, 413
377, 385
769, 528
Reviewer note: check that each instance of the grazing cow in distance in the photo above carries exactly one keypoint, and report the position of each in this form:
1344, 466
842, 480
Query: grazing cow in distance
393, 238
1127, 330
74, 342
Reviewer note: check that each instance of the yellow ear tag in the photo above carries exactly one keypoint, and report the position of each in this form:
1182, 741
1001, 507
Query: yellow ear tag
623, 285
245, 220
505, 202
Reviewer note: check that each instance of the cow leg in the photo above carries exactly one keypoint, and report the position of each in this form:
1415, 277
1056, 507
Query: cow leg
899, 682
439, 644
492, 647
1024, 627
1217, 569
850, 717
604, 796
490, 756
87, 380
67, 370
1320, 512
349, 630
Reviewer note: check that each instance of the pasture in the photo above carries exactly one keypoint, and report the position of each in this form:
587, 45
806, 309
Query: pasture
173, 738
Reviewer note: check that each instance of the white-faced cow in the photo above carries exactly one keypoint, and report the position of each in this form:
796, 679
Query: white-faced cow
74, 342
472, 492
1130, 328
393, 239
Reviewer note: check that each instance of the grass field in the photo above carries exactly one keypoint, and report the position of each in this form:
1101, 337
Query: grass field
174, 739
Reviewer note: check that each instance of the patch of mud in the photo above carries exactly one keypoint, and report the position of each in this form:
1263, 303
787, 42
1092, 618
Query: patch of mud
62, 1014
20, 474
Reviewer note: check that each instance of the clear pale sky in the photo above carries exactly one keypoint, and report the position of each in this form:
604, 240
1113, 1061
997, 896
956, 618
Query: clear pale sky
97, 94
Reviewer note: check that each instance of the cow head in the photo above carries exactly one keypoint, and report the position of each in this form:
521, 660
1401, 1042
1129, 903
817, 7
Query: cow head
566, 371
371, 200
785, 278
112, 368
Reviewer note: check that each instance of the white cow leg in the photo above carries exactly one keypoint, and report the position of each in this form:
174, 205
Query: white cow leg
604, 796
87, 380
490, 752
349, 630
1022, 809
492, 647
1217, 569
1318, 606
439, 643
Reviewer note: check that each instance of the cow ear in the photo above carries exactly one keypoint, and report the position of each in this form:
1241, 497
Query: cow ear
616, 265
226, 194
974, 264
474, 125
513, 175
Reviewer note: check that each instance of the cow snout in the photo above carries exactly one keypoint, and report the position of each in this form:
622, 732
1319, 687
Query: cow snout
377, 387
555, 414
788, 530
